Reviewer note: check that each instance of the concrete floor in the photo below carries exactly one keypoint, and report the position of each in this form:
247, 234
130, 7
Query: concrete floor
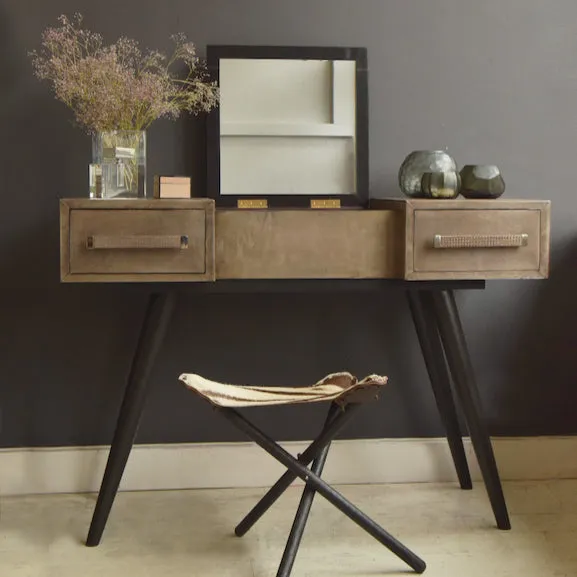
189, 533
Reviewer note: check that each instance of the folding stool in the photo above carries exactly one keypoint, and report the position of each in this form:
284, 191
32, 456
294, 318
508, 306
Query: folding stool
347, 395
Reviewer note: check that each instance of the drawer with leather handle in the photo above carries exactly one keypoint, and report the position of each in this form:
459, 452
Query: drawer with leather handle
137, 240
475, 239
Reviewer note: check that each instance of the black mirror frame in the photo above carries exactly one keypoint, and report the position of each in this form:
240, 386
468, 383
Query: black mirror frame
360, 199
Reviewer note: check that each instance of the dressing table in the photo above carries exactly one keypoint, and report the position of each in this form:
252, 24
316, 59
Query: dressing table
288, 209
424, 247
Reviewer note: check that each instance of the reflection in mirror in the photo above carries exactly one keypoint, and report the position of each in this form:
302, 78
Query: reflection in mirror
287, 127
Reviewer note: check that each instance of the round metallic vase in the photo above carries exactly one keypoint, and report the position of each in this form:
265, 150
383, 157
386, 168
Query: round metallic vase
441, 185
419, 162
481, 181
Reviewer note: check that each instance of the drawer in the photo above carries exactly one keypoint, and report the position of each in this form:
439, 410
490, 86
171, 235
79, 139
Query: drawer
464, 241
137, 240
475, 239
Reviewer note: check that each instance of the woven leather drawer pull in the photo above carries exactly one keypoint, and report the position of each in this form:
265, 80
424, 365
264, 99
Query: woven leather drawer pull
480, 240
137, 242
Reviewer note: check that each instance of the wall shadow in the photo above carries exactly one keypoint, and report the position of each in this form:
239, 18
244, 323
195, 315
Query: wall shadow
540, 396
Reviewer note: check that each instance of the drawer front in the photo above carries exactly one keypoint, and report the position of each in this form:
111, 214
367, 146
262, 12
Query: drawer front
138, 242
475, 243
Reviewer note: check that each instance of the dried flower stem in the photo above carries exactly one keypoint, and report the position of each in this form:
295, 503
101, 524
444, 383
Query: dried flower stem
117, 87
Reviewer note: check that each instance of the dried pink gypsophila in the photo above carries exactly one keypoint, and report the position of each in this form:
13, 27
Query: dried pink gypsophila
117, 87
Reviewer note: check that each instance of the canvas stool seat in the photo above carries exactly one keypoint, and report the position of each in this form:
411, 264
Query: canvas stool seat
346, 394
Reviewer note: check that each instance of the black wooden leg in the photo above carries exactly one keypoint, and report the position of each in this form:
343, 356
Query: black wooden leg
461, 367
324, 489
152, 334
302, 514
425, 323
331, 428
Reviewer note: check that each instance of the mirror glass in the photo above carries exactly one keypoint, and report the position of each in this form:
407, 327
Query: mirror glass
287, 127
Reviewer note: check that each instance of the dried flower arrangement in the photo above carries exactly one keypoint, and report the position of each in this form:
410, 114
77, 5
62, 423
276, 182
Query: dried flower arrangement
119, 87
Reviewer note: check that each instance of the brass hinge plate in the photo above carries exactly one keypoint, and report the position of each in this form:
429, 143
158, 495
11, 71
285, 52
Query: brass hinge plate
326, 203
252, 203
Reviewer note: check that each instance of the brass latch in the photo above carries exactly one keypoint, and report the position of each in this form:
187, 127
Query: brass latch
252, 203
326, 203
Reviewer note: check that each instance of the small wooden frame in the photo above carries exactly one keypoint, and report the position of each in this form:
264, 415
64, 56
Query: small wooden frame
172, 187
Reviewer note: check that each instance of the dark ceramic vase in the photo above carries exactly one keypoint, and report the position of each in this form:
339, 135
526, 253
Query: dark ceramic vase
481, 181
441, 185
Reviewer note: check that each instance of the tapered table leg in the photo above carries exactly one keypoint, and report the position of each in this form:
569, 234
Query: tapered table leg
423, 314
152, 334
459, 360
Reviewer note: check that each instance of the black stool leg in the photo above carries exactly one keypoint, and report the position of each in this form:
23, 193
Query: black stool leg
425, 323
461, 367
303, 511
152, 334
330, 494
331, 429
302, 515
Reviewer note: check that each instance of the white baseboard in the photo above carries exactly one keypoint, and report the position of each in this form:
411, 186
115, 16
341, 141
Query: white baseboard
218, 465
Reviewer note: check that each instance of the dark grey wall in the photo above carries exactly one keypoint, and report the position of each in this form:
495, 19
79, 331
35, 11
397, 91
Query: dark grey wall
493, 81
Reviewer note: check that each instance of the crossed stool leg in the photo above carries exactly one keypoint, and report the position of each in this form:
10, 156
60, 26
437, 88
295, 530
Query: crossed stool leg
347, 395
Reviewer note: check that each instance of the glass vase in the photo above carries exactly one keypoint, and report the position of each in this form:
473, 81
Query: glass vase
118, 168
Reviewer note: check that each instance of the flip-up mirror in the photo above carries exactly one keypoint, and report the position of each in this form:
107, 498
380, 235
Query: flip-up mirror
291, 126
